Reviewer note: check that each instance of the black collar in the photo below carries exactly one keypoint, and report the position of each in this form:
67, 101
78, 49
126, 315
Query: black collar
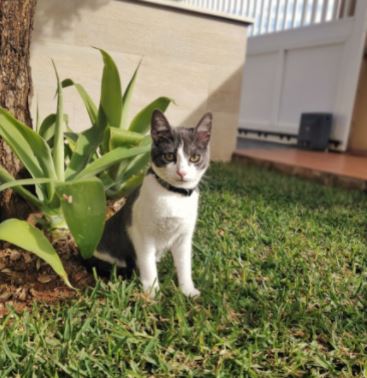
171, 188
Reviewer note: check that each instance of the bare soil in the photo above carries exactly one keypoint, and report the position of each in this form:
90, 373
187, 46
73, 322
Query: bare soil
26, 279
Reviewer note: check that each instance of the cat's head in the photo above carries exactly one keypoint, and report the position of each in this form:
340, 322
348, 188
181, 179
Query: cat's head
180, 155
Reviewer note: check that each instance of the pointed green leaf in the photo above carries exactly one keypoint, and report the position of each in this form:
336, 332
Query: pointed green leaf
111, 91
88, 102
109, 159
141, 122
136, 166
129, 186
107, 181
86, 146
24, 235
25, 182
126, 99
47, 128
84, 207
25, 143
71, 139
123, 138
58, 148
125, 179
30, 148
38, 121
119, 173
6, 177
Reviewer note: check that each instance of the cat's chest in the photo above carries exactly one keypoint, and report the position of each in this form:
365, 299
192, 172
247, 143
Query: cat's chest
165, 210
171, 206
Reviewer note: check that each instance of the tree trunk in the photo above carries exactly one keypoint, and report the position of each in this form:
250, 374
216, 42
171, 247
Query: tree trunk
16, 22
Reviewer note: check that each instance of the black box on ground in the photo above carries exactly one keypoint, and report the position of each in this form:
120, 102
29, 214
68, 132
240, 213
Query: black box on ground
314, 131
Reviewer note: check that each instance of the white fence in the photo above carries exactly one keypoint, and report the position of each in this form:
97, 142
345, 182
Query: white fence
276, 15
305, 56
311, 69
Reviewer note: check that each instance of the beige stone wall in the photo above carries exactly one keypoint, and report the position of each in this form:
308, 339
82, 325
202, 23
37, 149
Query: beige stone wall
193, 59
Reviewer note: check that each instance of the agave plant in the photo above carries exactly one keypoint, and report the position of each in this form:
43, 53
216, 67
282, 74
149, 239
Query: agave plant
73, 173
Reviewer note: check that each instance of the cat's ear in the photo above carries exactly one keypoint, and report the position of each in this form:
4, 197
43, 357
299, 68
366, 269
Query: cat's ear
160, 126
203, 128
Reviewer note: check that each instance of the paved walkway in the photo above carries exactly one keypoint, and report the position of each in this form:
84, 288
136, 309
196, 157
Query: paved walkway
348, 168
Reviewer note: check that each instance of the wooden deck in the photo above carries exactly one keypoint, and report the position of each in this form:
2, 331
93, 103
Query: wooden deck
328, 167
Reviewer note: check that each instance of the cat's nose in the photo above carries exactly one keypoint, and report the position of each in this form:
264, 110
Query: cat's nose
181, 173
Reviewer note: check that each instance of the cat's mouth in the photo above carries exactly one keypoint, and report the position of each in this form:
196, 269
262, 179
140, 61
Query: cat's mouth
183, 180
184, 183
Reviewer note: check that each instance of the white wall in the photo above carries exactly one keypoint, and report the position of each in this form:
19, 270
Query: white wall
195, 59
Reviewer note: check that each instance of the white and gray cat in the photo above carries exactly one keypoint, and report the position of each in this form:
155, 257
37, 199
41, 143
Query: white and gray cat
161, 214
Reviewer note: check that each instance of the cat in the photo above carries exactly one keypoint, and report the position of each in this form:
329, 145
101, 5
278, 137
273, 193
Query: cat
161, 214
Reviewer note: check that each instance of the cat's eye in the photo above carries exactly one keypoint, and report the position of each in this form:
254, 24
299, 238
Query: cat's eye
169, 156
195, 158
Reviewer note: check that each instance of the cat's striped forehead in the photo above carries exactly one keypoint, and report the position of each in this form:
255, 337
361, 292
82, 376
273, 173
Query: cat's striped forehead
193, 141
181, 141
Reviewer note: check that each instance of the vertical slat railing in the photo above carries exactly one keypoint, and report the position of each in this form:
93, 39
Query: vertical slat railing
277, 15
325, 6
260, 17
243, 7
232, 6
343, 7
352, 9
254, 9
253, 15
336, 9
284, 23
248, 3
313, 11
268, 23
294, 14
304, 12
347, 8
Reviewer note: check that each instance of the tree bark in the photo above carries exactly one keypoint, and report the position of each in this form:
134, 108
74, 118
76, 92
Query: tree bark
16, 23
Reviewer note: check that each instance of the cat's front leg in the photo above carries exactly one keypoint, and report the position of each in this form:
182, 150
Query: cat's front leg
146, 262
181, 252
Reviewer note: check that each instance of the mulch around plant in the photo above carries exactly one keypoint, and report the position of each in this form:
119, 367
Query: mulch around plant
26, 279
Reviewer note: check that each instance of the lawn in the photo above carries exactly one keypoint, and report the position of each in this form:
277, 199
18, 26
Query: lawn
281, 264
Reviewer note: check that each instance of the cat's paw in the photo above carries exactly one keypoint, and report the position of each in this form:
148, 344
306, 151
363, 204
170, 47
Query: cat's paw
190, 291
151, 291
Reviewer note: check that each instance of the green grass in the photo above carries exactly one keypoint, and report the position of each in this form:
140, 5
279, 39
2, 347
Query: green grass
281, 264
